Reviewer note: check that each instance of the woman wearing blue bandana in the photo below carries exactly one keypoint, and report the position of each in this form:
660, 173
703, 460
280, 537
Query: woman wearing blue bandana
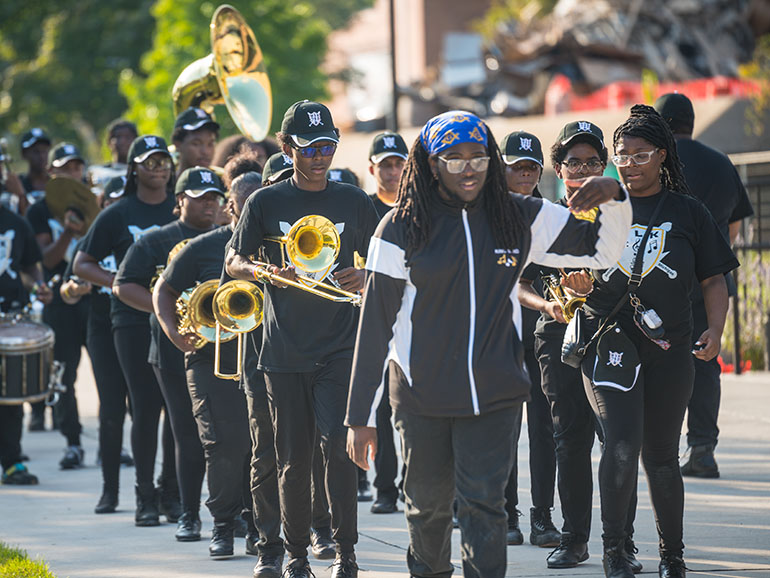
439, 313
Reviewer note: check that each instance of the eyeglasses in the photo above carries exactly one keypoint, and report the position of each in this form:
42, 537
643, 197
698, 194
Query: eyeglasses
457, 166
310, 152
575, 166
156, 162
641, 158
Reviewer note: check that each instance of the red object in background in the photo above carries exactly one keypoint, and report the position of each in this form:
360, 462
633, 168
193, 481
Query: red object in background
730, 367
621, 94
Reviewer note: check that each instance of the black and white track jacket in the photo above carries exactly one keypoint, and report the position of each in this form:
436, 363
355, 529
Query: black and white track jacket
441, 318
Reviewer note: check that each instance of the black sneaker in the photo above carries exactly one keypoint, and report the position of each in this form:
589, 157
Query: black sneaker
298, 568
18, 475
107, 503
671, 566
631, 552
568, 554
221, 544
188, 528
513, 536
699, 462
74, 457
345, 566
615, 562
321, 543
269, 566
147, 513
542, 531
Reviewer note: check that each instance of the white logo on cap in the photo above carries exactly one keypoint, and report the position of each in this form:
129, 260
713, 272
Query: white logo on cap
616, 358
584, 126
389, 142
207, 177
335, 175
151, 142
525, 144
37, 132
315, 118
287, 160
200, 113
69, 149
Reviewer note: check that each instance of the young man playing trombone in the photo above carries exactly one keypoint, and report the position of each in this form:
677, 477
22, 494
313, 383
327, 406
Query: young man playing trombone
307, 345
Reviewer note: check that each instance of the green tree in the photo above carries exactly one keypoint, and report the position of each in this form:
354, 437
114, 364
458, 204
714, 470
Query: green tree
60, 63
290, 32
758, 69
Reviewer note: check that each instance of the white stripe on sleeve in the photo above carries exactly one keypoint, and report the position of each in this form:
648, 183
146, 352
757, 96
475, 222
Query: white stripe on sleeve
386, 258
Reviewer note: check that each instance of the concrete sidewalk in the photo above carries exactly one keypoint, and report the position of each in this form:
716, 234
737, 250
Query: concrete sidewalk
727, 521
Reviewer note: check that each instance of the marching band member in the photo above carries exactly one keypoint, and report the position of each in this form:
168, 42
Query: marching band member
195, 136
438, 313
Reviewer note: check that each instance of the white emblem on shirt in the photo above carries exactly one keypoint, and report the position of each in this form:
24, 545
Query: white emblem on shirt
6, 246
616, 358
111, 265
653, 254
525, 144
315, 118
389, 142
137, 232
56, 231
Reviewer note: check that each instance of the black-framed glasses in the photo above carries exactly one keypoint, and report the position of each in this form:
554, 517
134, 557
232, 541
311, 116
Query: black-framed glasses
641, 158
457, 166
156, 162
575, 166
310, 152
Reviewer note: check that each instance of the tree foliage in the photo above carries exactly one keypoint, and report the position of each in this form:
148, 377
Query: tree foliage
759, 69
291, 34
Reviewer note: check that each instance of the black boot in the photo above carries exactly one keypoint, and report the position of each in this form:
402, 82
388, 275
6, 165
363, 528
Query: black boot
569, 553
671, 566
542, 531
147, 513
344, 566
513, 536
188, 527
108, 502
615, 562
699, 462
222, 539
170, 504
631, 551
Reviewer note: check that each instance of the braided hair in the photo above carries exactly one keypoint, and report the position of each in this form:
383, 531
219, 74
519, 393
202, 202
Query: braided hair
646, 123
418, 187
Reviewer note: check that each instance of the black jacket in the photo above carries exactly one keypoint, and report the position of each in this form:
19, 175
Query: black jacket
443, 318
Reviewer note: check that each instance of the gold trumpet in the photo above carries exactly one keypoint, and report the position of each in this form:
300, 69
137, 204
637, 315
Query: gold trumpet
312, 245
237, 309
195, 314
568, 305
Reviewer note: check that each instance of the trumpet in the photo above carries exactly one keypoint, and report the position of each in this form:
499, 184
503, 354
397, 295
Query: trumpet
237, 309
312, 245
568, 305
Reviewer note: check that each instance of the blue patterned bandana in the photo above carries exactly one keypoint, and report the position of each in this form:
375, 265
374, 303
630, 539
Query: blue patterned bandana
452, 128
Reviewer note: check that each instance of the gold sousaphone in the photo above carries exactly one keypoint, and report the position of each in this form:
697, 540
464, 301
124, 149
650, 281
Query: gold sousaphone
234, 74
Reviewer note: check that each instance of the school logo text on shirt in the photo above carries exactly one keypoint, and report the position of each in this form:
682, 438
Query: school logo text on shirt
507, 257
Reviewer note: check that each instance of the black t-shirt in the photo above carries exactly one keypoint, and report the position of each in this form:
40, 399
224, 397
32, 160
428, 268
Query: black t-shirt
99, 299
380, 206
139, 266
302, 330
114, 231
18, 250
684, 245
201, 260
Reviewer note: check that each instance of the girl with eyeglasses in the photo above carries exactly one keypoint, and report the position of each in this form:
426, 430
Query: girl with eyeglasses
638, 374
147, 203
438, 313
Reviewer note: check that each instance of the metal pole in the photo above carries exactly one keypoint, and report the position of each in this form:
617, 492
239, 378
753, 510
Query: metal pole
394, 97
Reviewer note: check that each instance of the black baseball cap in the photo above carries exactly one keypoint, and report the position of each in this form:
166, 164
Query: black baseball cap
276, 168
63, 153
147, 145
197, 181
307, 122
342, 176
115, 187
387, 144
32, 137
675, 106
194, 118
519, 146
617, 362
579, 128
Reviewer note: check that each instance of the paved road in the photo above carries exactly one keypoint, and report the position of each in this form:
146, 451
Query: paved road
727, 521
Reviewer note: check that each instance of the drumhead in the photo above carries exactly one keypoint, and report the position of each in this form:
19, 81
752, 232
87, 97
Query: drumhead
24, 335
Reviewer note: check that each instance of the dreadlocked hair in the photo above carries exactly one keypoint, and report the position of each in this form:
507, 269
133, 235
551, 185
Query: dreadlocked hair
646, 123
418, 187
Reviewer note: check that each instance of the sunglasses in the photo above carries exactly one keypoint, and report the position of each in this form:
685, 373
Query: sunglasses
310, 152
457, 166
641, 158
156, 162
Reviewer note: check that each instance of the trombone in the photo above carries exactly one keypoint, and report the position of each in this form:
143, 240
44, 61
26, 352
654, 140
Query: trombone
237, 309
195, 314
312, 245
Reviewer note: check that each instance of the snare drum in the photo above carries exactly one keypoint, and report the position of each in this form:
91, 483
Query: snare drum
26, 361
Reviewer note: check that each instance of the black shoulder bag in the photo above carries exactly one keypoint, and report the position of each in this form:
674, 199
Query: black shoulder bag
574, 346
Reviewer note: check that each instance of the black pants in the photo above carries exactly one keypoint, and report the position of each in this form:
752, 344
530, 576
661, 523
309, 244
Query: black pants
703, 409
221, 415
188, 455
542, 448
112, 390
11, 417
132, 344
300, 402
385, 460
647, 419
450, 459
